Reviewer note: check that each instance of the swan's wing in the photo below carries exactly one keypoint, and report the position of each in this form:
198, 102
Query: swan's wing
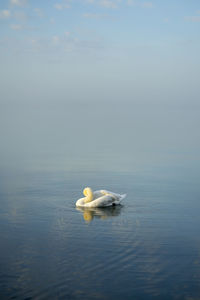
97, 194
103, 201
118, 197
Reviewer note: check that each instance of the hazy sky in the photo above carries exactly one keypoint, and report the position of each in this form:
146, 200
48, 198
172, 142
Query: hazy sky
144, 55
108, 48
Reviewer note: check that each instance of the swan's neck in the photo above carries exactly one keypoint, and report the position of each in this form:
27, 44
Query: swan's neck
88, 195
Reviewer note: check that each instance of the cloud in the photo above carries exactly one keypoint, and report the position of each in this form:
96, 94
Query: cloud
95, 16
52, 20
53, 48
90, 1
104, 3
62, 5
20, 16
16, 26
139, 4
18, 2
5, 14
55, 40
58, 46
131, 2
39, 12
108, 3
194, 19
147, 4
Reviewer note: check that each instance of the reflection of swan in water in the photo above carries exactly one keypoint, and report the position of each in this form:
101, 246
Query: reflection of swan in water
100, 198
102, 213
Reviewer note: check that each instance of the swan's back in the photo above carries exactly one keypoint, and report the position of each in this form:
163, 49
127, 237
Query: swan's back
102, 198
118, 197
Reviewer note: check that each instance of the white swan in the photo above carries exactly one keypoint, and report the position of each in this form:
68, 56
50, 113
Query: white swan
100, 198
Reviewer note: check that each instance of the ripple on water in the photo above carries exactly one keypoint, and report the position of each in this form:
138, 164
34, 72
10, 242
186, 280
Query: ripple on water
141, 250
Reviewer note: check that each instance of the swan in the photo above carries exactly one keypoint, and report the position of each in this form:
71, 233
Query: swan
101, 198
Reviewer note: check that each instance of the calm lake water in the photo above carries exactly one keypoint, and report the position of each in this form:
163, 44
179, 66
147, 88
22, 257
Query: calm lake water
148, 248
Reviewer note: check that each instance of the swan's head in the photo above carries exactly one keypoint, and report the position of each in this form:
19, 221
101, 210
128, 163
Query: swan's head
87, 192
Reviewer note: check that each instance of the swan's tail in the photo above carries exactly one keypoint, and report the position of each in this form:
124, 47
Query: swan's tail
122, 197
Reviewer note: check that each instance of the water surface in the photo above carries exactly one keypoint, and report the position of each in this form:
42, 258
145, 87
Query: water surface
149, 248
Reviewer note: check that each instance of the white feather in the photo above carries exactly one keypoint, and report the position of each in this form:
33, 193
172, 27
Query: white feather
101, 198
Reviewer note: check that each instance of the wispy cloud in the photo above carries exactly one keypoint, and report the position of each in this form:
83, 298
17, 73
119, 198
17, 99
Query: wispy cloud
63, 44
131, 2
95, 16
104, 3
62, 5
38, 12
52, 20
18, 2
194, 19
20, 16
55, 40
90, 1
147, 4
108, 3
5, 14
16, 26
139, 4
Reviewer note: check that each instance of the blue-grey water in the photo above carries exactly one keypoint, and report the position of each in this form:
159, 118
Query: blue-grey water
148, 248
